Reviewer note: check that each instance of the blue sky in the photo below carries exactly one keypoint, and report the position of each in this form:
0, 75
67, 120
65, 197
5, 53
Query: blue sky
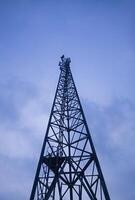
98, 35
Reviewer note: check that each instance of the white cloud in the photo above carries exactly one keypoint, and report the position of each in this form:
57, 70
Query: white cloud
15, 144
113, 131
33, 117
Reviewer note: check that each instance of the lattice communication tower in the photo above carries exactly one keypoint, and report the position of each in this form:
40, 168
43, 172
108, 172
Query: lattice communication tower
68, 167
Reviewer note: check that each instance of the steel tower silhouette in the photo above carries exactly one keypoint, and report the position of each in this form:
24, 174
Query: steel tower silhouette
68, 167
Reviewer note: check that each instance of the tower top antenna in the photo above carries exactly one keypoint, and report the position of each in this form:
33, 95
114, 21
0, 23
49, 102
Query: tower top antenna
65, 62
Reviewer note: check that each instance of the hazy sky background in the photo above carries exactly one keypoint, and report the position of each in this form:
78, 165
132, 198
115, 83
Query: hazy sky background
98, 35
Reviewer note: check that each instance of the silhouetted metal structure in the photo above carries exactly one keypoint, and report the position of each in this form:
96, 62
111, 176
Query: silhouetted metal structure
68, 167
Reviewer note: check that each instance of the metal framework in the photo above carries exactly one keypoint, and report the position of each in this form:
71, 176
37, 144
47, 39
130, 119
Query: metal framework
68, 167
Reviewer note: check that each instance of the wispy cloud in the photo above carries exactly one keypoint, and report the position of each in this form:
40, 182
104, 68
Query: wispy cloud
23, 120
113, 130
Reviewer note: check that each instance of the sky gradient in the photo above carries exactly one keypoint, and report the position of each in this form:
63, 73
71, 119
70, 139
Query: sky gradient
98, 35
